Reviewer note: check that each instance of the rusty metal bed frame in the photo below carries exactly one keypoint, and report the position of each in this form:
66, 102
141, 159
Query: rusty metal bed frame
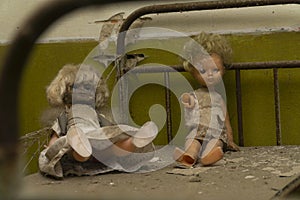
183, 7
20, 48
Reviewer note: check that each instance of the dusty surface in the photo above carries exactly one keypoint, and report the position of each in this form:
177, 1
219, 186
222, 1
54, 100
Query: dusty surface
253, 173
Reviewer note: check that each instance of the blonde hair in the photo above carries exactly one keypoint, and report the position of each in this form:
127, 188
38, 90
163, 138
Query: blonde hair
212, 44
66, 78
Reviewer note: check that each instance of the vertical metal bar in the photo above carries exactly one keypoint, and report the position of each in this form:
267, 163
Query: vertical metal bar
239, 106
168, 106
277, 107
123, 91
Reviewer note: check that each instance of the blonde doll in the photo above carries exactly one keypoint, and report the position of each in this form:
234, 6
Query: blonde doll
83, 140
206, 114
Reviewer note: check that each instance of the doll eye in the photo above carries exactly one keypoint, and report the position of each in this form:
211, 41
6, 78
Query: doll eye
87, 87
202, 71
216, 70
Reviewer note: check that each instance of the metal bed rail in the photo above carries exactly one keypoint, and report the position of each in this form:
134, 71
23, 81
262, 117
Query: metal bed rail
197, 6
275, 65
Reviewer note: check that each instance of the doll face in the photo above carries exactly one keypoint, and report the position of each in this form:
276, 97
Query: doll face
84, 88
208, 71
82, 93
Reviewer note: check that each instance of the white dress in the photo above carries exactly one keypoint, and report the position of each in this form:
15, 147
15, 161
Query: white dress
56, 162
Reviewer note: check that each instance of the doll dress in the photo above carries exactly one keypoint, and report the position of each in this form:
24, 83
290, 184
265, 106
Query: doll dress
56, 161
206, 119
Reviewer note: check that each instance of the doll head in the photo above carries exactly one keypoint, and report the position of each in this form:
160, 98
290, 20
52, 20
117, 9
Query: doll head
77, 84
209, 63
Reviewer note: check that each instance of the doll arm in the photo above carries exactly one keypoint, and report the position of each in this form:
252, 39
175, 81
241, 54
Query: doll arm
55, 133
188, 100
53, 138
230, 143
191, 110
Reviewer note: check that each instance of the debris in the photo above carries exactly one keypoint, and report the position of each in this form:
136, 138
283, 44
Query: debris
105, 59
268, 169
249, 177
275, 189
188, 172
95, 182
194, 179
50, 183
112, 183
110, 27
294, 171
235, 160
133, 59
155, 159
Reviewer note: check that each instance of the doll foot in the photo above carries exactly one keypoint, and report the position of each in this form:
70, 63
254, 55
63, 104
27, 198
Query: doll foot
79, 142
213, 156
145, 135
54, 149
183, 158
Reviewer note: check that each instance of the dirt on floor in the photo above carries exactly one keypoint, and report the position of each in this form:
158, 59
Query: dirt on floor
253, 173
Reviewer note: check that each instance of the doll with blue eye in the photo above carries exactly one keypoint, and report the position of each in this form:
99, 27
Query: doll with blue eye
206, 115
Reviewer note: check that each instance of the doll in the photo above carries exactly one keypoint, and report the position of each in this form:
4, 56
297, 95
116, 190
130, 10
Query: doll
206, 115
82, 134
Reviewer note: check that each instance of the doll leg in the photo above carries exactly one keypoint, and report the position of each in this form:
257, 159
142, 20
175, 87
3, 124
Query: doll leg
53, 138
123, 147
144, 136
213, 152
77, 139
190, 156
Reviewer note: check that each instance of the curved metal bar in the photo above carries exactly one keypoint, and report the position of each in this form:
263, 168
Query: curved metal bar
191, 6
10, 79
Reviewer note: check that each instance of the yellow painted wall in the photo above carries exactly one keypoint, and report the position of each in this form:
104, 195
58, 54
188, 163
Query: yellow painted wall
257, 85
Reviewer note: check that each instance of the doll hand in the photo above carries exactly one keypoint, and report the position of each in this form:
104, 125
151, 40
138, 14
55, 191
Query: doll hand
188, 100
232, 146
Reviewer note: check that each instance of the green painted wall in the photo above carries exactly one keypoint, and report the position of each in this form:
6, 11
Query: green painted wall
257, 85
257, 88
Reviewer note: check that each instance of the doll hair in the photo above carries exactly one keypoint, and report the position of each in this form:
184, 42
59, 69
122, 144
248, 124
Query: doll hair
211, 43
65, 80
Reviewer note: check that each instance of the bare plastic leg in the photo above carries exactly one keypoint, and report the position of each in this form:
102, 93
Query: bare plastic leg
212, 153
190, 156
144, 136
